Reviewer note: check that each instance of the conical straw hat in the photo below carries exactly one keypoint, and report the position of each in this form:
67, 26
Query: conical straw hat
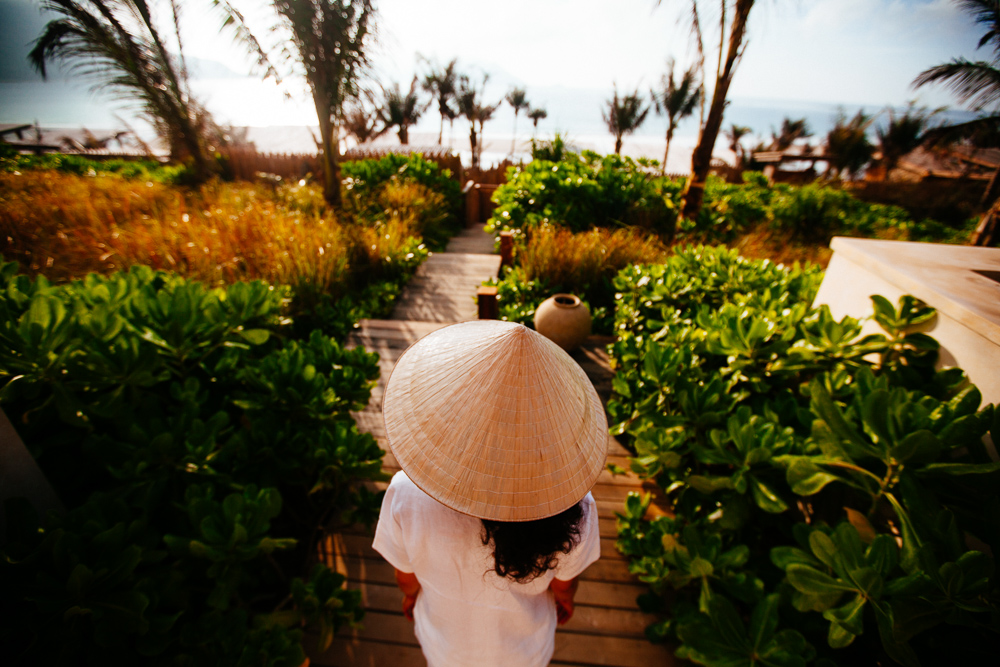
496, 421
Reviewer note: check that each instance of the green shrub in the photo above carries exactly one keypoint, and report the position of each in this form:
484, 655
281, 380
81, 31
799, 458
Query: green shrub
581, 192
201, 455
365, 182
79, 165
833, 489
551, 260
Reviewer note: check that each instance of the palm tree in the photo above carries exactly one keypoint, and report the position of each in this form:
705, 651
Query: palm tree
977, 85
518, 99
729, 57
362, 123
118, 45
402, 111
847, 144
536, 115
901, 135
330, 39
735, 134
472, 106
440, 83
791, 131
624, 115
676, 100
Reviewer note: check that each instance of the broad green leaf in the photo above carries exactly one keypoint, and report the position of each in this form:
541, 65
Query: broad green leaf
763, 623
765, 497
885, 313
823, 405
883, 555
708, 485
958, 469
699, 567
823, 548
806, 478
899, 651
919, 446
910, 553
875, 411
784, 556
839, 636
255, 336
850, 616
812, 581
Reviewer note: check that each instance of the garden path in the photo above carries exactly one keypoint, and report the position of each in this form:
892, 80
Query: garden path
607, 628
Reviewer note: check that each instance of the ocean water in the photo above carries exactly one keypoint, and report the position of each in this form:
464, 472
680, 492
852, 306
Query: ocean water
281, 118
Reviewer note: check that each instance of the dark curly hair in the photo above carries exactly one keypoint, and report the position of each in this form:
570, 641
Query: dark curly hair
523, 550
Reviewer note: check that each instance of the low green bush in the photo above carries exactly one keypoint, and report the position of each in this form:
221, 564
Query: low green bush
79, 165
587, 190
830, 497
201, 455
365, 181
584, 191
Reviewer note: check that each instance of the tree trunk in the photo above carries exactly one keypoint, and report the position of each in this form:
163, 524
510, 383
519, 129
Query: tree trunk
441, 130
404, 134
330, 160
701, 159
666, 151
474, 145
618, 144
987, 234
513, 141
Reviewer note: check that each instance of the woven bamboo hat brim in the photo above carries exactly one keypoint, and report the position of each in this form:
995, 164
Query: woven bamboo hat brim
496, 421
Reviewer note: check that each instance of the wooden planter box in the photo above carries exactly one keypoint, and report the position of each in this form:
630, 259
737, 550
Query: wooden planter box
961, 282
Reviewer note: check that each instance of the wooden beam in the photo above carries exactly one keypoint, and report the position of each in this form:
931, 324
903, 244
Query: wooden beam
486, 297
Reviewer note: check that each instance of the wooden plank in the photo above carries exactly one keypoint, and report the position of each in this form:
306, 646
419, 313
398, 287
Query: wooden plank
415, 329
587, 618
584, 649
579, 647
362, 653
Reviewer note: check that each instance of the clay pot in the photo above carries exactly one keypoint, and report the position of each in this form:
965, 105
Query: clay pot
564, 320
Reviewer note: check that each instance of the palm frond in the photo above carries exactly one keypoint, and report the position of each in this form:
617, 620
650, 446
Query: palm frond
987, 14
975, 83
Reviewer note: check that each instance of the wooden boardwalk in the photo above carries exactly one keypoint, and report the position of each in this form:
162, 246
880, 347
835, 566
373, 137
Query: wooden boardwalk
607, 627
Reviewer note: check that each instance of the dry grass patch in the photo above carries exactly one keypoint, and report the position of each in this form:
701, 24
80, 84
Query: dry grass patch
65, 226
575, 261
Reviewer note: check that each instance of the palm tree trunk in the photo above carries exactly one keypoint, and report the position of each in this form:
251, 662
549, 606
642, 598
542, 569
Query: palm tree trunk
701, 159
473, 143
404, 134
666, 151
441, 130
330, 158
513, 141
618, 144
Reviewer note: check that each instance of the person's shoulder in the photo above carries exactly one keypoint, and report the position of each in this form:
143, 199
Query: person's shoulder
403, 488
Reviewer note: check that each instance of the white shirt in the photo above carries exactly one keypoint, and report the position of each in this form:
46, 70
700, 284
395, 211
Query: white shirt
465, 614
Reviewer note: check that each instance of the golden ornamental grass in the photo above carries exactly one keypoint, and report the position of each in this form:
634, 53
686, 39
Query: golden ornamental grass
563, 258
66, 226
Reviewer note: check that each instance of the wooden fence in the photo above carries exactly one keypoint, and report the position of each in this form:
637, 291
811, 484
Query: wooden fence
246, 164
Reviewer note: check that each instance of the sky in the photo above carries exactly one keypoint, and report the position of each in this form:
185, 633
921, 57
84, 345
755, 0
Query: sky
843, 52
834, 51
